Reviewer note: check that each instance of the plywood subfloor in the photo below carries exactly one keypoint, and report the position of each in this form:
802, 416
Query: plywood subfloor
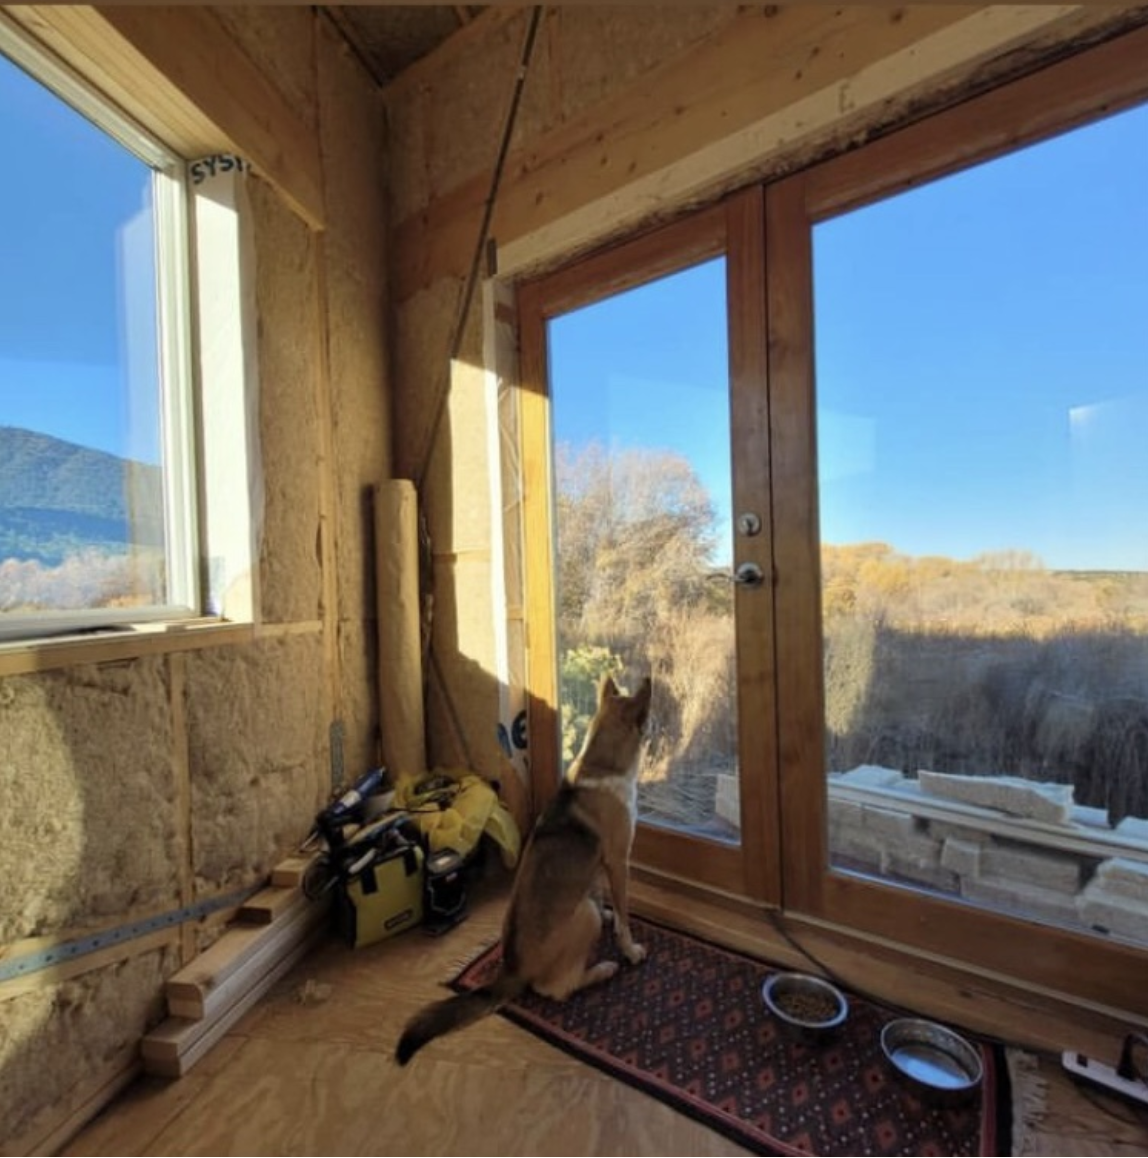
309, 1071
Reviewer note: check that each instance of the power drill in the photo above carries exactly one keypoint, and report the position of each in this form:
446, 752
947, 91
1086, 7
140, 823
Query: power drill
347, 809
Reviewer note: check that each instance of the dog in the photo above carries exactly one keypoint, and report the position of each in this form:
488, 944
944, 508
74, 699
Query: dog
581, 841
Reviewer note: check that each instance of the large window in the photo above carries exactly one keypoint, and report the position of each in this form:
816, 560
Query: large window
959, 388
97, 520
640, 391
982, 394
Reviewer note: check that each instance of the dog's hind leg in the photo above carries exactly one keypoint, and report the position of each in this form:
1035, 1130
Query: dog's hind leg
571, 970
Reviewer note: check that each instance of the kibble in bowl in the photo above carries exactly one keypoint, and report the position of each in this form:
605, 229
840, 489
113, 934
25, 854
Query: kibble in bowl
804, 1004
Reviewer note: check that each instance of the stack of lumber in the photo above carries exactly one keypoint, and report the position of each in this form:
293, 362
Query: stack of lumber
272, 932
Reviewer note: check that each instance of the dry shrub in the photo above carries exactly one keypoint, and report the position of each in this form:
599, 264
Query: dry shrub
1069, 707
694, 736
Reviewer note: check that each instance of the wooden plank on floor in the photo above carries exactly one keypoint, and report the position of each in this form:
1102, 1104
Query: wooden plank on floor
227, 955
268, 905
209, 1001
175, 1046
289, 873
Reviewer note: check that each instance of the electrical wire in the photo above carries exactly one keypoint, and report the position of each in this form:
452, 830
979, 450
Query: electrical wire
467, 294
443, 388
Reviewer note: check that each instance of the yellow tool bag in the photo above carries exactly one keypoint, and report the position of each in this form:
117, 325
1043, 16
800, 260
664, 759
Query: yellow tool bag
380, 892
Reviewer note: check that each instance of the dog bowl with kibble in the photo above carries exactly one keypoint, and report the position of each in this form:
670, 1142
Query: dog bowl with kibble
807, 1006
937, 1063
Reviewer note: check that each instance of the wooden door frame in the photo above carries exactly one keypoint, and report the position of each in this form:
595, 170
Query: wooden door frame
734, 228
791, 797
1062, 96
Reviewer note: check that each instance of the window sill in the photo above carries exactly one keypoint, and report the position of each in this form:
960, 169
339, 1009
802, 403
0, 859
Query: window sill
120, 644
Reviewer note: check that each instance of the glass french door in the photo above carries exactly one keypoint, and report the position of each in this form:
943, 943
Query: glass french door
648, 357
861, 564
958, 380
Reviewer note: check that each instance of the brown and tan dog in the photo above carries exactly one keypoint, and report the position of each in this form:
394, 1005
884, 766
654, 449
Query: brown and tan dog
553, 921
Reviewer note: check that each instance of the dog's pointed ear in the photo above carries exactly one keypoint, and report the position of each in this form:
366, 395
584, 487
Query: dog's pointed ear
642, 702
607, 689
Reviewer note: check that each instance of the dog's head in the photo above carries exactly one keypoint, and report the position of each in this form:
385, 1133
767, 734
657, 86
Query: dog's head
635, 709
614, 739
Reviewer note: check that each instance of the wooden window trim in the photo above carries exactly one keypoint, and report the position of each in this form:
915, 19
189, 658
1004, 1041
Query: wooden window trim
188, 83
118, 645
595, 277
600, 275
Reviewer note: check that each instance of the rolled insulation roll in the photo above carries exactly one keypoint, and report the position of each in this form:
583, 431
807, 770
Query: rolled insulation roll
401, 711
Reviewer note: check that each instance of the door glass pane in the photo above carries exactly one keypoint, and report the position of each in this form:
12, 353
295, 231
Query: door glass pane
640, 410
982, 412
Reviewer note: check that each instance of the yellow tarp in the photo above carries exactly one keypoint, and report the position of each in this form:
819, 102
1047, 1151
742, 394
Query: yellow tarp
453, 808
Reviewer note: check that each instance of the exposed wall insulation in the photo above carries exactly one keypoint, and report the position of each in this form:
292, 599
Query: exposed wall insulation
88, 828
54, 1039
465, 116
457, 500
426, 322
400, 637
132, 789
290, 579
257, 743
282, 46
599, 50
352, 276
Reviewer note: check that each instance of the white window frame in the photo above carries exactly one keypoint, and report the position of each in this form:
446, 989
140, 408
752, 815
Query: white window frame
173, 316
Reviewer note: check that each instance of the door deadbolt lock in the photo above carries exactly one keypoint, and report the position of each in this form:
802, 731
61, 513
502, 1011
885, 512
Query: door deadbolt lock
748, 524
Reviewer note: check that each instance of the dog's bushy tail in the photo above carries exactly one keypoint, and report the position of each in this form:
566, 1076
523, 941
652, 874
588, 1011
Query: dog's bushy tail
456, 1013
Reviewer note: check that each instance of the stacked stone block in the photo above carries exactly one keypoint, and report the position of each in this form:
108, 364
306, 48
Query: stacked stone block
879, 826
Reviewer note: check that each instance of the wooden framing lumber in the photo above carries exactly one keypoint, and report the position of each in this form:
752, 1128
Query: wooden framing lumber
181, 766
173, 1047
69, 967
196, 1002
734, 78
763, 91
289, 873
269, 905
143, 640
328, 488
228, 955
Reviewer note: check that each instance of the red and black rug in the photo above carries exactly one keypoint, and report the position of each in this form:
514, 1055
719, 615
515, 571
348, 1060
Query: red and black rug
688, 1026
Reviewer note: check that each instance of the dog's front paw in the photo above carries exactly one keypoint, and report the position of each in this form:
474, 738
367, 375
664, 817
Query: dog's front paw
633, 952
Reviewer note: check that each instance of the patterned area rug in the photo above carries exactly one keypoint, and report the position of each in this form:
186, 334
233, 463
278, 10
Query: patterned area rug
689, 1027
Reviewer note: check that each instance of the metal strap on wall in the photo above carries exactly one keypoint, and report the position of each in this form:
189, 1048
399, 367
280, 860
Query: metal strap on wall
26, 963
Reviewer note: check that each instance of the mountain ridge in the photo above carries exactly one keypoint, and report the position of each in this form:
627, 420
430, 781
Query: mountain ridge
58, 498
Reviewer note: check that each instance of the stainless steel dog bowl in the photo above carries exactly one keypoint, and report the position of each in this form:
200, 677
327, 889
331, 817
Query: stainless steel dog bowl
806, 1005
934, 1060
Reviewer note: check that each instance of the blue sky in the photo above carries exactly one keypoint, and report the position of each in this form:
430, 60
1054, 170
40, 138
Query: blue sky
650, 368
982, 342
74, 251
981, 353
